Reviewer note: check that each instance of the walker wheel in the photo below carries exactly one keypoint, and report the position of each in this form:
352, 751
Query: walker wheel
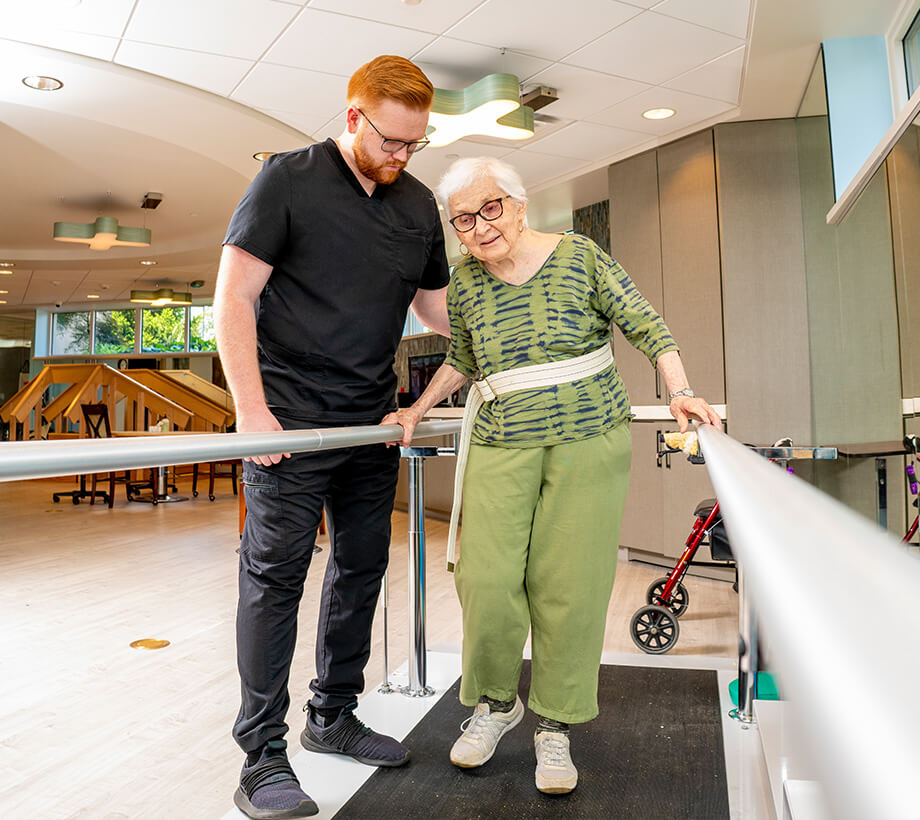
680, 598
654, 629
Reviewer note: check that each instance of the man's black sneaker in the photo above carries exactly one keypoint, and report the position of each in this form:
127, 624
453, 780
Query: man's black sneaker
349, 736
269, 789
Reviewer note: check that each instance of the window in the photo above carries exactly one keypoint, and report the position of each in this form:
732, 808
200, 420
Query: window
70, 333
163, 330
104, 333
413, 325
201, 336
114, 332
912, 55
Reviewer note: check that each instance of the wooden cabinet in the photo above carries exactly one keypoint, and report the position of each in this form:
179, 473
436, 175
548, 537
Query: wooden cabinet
643, 518
661, 498
665, 232
635, 242
664, 226
690, 263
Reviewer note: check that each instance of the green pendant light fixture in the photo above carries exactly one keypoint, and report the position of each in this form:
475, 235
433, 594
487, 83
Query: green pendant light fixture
161, 297
102, 234
490, 107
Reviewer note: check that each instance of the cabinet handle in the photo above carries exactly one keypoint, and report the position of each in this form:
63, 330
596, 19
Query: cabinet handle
657, 386
659, 442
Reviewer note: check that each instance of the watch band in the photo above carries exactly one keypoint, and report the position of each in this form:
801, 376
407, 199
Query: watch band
684, 391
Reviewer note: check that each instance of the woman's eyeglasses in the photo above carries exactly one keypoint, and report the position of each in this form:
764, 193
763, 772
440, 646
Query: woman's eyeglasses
491, 211
391, 146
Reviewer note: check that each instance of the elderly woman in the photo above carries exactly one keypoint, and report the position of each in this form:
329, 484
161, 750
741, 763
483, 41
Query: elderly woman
545, 478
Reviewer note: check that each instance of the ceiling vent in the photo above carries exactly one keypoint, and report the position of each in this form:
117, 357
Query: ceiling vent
151, 200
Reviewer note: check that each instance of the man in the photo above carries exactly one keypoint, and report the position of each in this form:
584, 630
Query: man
325, 253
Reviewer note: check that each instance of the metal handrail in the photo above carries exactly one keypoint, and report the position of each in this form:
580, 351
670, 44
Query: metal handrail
833, 594
47, 459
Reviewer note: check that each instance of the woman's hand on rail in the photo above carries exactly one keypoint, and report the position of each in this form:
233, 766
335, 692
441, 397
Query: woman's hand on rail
259, 419
685, 407
406, 418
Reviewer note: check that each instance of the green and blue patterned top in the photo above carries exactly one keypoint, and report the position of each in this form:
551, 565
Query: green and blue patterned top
564, 310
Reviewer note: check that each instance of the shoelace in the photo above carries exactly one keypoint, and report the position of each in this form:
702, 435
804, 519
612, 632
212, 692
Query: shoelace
554, 752
342, 736
476, 725
267, 772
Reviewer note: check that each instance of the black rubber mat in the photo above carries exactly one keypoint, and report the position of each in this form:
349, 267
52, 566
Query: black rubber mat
655, 751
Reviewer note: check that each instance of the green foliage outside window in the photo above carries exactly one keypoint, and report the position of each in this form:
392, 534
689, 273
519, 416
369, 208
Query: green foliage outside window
201, 329
70, 333
114, 332
163, 330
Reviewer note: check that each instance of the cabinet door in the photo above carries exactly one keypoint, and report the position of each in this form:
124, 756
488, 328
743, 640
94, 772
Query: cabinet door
690, 262
642, 519
635, 242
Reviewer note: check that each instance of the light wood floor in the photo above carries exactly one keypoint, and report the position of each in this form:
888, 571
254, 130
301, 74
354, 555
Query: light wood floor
90, 728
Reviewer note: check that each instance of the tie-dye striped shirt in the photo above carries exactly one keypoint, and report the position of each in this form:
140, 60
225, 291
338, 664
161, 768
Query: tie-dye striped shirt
564, 310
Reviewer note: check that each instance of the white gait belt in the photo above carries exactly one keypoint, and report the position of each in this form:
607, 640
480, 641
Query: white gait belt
487, 388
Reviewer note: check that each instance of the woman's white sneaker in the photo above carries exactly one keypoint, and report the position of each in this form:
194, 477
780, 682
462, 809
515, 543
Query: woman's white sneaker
556, 774
481, 733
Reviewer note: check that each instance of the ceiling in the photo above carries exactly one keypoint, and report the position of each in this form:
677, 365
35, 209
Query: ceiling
175, 96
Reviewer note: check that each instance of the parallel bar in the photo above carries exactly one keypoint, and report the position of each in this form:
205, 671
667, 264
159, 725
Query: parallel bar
46, 459
418, 663
832, 594
748, 662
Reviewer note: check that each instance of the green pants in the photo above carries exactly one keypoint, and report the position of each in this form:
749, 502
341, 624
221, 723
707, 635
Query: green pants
539, 550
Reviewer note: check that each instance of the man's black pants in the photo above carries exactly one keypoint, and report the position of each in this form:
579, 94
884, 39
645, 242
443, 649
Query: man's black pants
284, 503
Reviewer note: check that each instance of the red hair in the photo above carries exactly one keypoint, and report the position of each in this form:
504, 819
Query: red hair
390, 77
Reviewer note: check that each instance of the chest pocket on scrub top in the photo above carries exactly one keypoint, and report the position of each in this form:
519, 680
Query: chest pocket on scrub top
409, 253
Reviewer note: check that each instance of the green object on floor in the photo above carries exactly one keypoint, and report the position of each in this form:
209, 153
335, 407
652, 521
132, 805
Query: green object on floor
766, 688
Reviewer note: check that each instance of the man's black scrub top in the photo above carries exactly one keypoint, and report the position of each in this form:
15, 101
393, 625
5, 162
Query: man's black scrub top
345, 267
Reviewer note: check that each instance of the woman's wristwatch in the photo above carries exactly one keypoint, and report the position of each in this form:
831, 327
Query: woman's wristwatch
684, 391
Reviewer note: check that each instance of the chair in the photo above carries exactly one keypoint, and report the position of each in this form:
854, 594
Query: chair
213, 474
93, 428
96, 418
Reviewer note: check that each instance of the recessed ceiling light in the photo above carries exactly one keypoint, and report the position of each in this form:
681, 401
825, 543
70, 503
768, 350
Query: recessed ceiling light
148, 261
412, 2
40, 83
92, 295
4, 291
658, 113
263, 155
7, 264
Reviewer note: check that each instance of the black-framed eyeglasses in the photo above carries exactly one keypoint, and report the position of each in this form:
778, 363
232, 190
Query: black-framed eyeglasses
392, 146
491, 211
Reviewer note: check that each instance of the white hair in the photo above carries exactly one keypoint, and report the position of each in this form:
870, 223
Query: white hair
463, 172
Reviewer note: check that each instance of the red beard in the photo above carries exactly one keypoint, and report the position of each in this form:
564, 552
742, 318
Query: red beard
378, 173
